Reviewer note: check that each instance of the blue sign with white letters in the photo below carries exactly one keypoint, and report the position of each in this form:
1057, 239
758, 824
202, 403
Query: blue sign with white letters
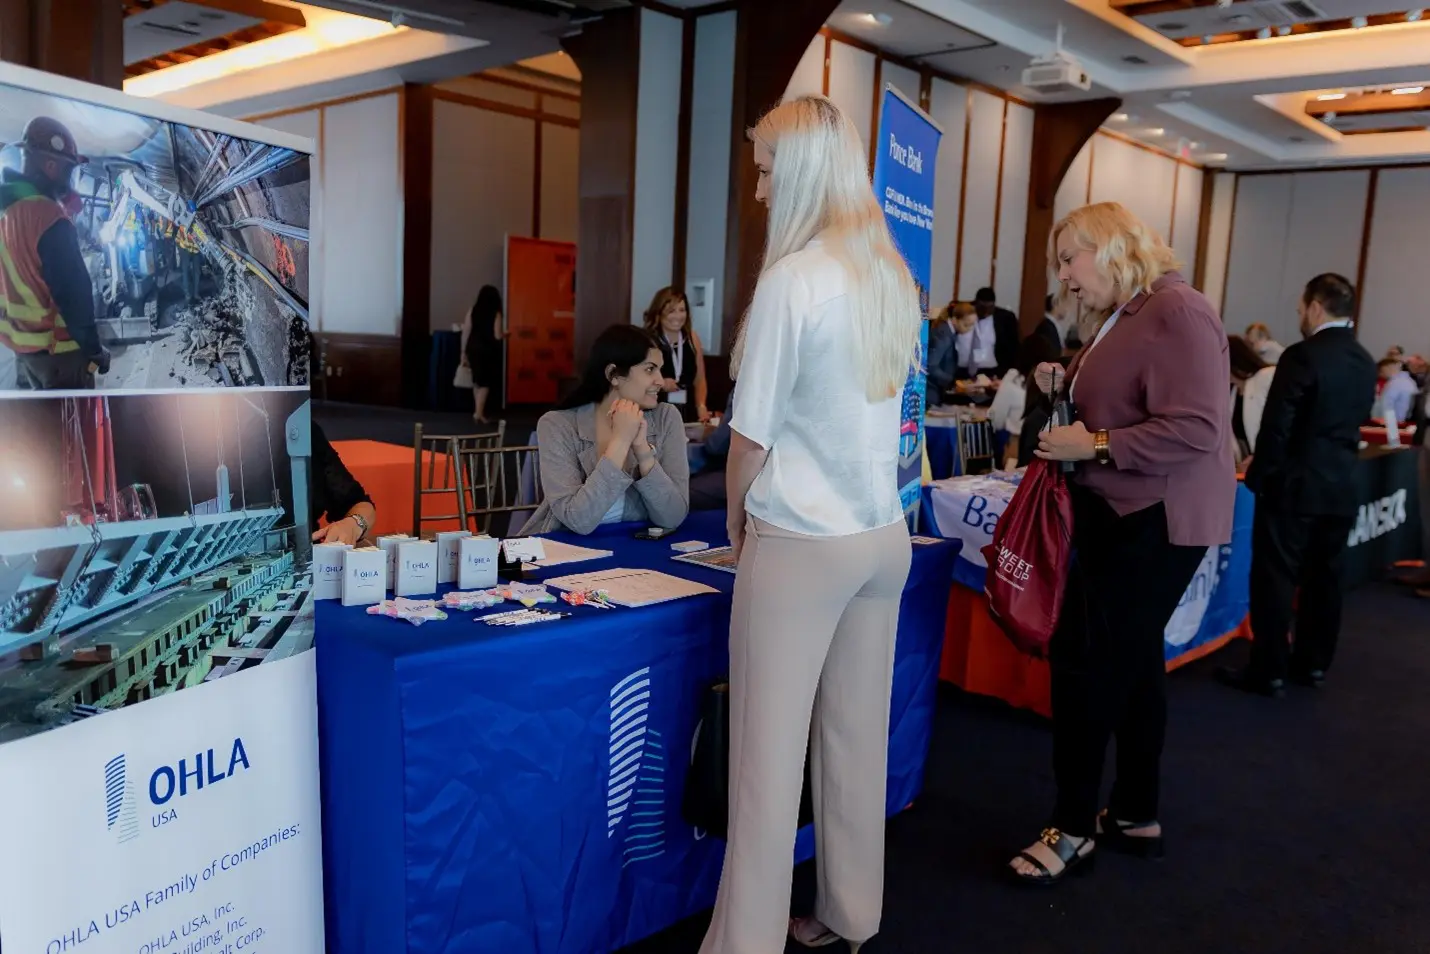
905, 166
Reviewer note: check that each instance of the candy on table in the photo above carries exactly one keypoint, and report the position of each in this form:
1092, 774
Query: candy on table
597, 598
471, 599
415, 612
527, 594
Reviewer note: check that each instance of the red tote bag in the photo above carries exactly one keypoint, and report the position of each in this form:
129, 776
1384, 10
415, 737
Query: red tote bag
1028, 558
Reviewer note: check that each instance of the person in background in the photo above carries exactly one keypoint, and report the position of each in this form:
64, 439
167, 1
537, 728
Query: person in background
998, 328
338, 497
613, 452
1036, 413
1394, 353
1251, 380
1153, 488
1302, 476
1398, 390
974, 343
707, 487
1010, 404
816, 522
952, 329
1058, 327
1259, 337
1419, 369
668, 322
482, 335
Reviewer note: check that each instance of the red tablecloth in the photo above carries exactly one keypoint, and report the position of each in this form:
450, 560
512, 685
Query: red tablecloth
385, 472
978, 658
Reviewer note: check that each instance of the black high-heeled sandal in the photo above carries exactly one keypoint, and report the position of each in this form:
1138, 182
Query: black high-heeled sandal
1075, 859
1113, 834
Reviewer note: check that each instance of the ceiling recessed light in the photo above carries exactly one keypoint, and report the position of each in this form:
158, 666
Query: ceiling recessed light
1414, 15
1327, 97
1283, 31
1264, 33
1206, 40
1156, 131
1171, 27
1239, 18
879, 19
1118, 117
1407, 90
1295, 138
1360, 23
1214, 157
1194, 145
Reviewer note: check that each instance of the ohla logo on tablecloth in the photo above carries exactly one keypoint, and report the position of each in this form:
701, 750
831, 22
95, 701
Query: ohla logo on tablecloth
167, 784
1378, 518
635, 790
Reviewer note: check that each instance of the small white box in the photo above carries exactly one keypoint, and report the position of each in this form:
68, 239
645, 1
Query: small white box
389, 545
364, 576
448, 554
416, 568
328, 570
478, 567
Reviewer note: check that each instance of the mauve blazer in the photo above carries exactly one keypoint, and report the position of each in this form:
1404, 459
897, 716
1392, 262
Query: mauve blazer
1159, 383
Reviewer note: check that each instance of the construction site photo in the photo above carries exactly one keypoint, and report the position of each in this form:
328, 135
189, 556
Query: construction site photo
148, 543
194, 247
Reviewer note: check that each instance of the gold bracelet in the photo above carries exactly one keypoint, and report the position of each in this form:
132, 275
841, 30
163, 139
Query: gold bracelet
1100, 447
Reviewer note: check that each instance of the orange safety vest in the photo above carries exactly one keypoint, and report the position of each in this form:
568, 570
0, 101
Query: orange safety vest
30, 321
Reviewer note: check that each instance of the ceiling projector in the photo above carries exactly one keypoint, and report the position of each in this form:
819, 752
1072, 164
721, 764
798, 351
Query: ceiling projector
1056, 72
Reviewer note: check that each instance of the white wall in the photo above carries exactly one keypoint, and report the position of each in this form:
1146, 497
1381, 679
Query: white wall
711, 116
1187, 217
1218, 237
1013, 211
658, 106
1286, 229
851, 85
481, 193
357, 259
1395, 309
948, 105
980, 195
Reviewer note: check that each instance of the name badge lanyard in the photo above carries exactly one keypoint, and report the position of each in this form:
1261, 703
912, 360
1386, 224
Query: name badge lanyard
677, 361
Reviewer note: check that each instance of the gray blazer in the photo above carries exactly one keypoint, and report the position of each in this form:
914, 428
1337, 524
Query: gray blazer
580, 485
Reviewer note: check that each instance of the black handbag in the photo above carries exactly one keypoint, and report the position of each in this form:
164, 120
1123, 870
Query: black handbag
706, 804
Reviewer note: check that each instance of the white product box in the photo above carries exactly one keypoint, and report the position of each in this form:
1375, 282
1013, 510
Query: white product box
364, 576
389, 545
328, 570
478, 567
416, 568
449, 557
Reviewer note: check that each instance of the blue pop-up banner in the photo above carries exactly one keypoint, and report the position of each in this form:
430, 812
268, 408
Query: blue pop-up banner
905, 165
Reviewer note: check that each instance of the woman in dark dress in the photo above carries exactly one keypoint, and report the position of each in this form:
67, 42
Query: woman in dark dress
482, 335
337, 497
668, 321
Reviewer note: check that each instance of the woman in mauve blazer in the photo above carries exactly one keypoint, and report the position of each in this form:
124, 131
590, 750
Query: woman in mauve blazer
1153, 488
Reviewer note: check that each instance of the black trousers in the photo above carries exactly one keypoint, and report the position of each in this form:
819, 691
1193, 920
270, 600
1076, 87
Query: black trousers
1109, 675
1288, 551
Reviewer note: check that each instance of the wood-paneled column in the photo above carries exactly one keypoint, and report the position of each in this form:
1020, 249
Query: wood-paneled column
81, 39
415, 130
608, 55
1060, 131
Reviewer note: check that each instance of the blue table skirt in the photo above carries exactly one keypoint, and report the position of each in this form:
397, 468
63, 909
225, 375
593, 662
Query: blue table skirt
466, 768
942, 445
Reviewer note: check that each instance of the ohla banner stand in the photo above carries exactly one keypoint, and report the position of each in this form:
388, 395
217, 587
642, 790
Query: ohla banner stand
158, 708
905, 167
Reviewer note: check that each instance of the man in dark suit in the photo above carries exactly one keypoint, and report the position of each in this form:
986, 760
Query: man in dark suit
1305, 505
1048, 328
1005, 327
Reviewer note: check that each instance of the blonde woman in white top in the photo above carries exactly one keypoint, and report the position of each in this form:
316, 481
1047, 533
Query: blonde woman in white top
824, 552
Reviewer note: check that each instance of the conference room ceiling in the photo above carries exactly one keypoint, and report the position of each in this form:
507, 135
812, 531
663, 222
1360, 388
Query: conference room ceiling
1244, 101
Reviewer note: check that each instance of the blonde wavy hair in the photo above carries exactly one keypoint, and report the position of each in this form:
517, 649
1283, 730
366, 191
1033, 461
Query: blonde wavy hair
1125, 249
819, 183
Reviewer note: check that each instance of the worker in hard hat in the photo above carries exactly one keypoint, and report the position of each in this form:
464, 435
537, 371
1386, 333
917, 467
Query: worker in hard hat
46, 296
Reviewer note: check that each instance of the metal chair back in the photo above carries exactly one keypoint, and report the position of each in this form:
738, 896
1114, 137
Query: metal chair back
435, 471
975, 443
500, 481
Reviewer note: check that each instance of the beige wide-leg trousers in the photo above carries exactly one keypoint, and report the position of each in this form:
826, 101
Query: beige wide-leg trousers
811, 663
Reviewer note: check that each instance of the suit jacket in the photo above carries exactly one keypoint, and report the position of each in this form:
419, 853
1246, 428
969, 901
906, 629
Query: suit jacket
1005, 349
943, 355
1048, 330
1310, 431
1159, 383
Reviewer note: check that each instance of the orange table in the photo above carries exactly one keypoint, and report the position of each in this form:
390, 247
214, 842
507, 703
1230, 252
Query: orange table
385, 472
978, 658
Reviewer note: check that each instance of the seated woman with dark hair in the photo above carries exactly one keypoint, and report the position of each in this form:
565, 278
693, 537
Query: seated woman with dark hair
612, 452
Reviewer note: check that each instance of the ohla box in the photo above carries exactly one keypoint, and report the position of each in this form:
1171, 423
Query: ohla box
478, 567
328, 570
416, 568
364, 576
449, 556
389, 544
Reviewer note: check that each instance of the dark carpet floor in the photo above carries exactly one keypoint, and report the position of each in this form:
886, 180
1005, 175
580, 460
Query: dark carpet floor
1293, 826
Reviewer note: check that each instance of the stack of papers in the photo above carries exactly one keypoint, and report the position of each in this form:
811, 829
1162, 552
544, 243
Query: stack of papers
627, 587
558, 553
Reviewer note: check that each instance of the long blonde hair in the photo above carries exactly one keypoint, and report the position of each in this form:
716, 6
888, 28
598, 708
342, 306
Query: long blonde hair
820, 183
1125, 249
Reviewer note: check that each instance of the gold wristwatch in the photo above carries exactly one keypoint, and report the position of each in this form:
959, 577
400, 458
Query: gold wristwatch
1100, 449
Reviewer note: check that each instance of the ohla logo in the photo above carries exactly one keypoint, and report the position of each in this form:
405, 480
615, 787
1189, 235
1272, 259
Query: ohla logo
368, 574
167, 783
419, 567
635, 785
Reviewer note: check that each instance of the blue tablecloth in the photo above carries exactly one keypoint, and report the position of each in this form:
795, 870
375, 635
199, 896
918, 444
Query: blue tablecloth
466, 768
442, 367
